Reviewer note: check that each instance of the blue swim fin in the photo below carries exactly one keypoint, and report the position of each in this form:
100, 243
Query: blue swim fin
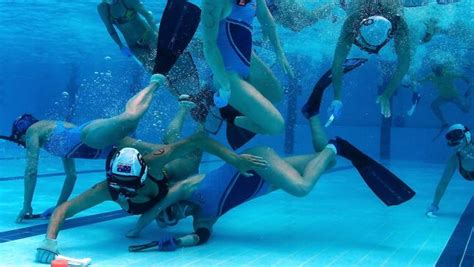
313, 105
386, 185
178, 24
236, 136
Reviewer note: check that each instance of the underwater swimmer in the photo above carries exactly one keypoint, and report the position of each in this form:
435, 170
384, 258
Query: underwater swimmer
459, 138
244, 82
90, 140
371, 25
136, 24
139, 183
294, 16
223, 189
442, 78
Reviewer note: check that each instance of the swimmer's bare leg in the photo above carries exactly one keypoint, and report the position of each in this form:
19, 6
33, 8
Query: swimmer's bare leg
105, 132
318, 136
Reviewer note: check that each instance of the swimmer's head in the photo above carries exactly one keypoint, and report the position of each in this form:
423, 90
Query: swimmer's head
109, 2
458, 135
126, 172
173, 214
21, 125
373, 33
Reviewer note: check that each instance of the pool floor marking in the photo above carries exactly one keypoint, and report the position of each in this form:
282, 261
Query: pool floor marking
12, 178
20, 233
69, 223
460, 248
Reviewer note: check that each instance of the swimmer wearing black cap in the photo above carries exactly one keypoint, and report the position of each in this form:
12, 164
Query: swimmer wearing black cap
371, 25
459, 138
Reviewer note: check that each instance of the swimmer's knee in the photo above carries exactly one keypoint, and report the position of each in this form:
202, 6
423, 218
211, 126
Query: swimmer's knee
276, 126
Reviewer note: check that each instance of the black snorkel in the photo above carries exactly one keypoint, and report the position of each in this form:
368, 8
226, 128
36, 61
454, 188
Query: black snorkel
13, 139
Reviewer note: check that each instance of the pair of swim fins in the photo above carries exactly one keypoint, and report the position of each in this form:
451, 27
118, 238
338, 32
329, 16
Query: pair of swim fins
178, 25
390, 189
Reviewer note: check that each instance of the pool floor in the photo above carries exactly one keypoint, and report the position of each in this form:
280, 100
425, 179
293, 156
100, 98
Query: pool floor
340, 223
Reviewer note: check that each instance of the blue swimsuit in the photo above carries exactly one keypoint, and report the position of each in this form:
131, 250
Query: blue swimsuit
235, 38
224, 188
66, 143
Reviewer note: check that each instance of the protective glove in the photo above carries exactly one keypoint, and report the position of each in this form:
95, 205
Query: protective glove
47, 251
167, 244
221, 98
335, 108
432, 210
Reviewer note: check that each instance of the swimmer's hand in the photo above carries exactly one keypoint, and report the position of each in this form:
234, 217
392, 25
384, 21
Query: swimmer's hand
221, 98
247, 162
384, 106
47, 251
185, 102
26, 214
126, 51
432, 210
157, 79
281, 58
134, 233
335, 108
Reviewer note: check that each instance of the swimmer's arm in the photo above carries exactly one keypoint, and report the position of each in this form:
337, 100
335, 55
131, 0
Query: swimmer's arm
31, 171
268, 26
103, 12
210, 17
402, 49
90, 198
147, 14
179, 191
69, 182
167, 153
448, 173
343, 47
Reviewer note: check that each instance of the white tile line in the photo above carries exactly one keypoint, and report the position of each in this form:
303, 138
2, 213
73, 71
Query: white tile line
467, 245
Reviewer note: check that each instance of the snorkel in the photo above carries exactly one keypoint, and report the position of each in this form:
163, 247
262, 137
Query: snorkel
19, 127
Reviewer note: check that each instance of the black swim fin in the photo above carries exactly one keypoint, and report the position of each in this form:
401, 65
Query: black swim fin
386, 185
313, 104
236, 136
143, 247
178, 24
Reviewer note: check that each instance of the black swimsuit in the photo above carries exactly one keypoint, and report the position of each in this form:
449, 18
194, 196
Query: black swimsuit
468, 175
140, 208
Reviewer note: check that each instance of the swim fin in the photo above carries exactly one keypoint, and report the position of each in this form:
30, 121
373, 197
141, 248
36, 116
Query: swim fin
236, 136
143, 247
386, 185
313, 105
177, 27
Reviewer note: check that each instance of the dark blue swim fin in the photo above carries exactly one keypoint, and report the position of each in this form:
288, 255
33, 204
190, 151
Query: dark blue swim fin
386, 185
442, 129
236, 136
178, 24
313, 104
